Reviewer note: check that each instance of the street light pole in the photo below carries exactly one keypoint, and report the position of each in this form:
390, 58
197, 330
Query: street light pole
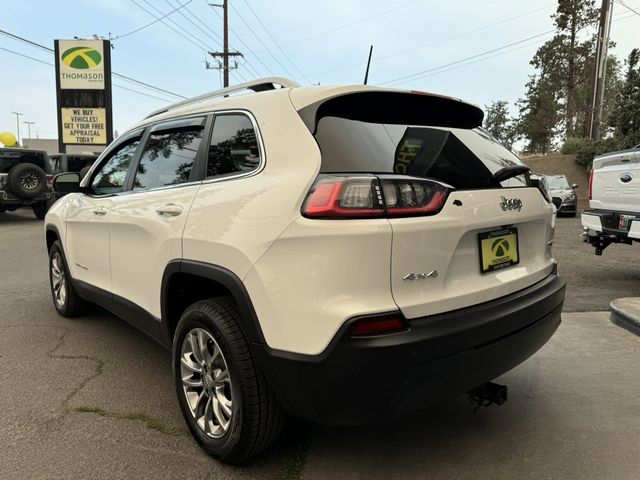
29, 127
18, 115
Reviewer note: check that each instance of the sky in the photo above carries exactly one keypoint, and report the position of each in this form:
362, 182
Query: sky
475, 50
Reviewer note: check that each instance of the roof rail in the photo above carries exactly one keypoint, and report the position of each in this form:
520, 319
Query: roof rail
258, 85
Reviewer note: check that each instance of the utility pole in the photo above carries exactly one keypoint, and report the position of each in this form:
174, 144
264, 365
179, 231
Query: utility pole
29, 127
225, 54
602, 46
18, 115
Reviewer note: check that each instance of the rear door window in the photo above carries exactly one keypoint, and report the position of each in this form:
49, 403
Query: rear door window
168, 157
77, 163
10, 158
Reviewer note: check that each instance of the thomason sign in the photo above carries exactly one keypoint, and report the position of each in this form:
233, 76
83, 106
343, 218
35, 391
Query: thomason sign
83, 85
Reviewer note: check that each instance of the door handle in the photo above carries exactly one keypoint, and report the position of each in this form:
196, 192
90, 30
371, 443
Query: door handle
99, 211
169, 209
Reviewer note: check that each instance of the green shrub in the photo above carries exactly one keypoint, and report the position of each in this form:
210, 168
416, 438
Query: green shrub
588, 149
573, 145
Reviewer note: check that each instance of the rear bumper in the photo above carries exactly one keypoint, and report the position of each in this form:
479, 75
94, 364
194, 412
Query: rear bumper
607, 222
8, 198
358, 381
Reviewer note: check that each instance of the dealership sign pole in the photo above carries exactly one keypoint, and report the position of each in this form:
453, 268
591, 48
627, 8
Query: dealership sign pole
83, 91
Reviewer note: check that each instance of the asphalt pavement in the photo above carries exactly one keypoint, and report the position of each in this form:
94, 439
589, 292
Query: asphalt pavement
93, 398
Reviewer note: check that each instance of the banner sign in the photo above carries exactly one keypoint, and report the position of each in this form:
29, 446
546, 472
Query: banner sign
83, 86
84, 126
81, 64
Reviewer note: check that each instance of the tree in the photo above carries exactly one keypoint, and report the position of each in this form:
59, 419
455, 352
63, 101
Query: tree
499, 123
625, 117
539, 114
557, 99
572, 57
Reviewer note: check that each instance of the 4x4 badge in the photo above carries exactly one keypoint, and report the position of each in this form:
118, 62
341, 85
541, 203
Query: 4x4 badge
511, 204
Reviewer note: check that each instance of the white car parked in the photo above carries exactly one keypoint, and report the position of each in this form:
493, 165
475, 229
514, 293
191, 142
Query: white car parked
614, 200
343, 254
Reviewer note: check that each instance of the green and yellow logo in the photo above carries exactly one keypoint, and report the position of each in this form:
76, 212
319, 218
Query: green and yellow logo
500, 247
81, 58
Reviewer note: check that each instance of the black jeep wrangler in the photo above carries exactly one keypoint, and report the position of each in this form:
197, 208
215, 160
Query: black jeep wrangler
24, 180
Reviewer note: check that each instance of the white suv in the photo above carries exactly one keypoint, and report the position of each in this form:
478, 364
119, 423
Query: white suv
342, 254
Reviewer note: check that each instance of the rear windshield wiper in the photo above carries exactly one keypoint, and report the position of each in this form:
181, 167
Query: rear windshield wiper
510, 172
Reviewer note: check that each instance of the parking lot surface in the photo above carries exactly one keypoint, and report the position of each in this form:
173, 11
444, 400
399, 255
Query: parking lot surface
594, 280
93, 398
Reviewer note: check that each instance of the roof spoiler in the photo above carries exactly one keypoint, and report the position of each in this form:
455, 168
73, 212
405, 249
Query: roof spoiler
401, 108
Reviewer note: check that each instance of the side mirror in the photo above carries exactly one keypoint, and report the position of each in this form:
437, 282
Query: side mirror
66, 182
575, 185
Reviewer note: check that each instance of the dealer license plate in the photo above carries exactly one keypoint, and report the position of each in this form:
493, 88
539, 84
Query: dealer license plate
498, 249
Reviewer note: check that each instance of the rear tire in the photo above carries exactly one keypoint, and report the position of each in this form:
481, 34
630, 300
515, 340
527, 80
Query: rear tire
65, 298
232, 415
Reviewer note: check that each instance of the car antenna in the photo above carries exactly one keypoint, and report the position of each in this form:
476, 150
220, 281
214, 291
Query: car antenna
366, 74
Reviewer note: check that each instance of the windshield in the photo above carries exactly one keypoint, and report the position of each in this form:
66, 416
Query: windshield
462, 158
10, 158
558, 181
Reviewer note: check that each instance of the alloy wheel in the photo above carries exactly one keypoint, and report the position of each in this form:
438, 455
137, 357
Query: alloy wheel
58, 280
29, 180
206, 382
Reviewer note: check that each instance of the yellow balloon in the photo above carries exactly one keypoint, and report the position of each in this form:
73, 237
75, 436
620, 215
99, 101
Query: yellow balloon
8, 139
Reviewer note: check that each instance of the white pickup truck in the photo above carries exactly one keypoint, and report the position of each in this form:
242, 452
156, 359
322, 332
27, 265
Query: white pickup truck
614, 200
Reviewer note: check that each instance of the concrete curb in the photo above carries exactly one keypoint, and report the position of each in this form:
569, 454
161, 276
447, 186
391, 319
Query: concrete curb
625, 313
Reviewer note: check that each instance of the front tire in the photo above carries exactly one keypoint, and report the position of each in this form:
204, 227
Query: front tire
225, 400
65, 298
40, 210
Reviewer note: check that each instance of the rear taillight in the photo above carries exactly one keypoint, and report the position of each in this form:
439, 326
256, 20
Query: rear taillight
50, 180
345, 196
591, 185
378, 326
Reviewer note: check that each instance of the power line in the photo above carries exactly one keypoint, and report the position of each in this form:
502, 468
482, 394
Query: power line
465, 61
52, 65
218, 39
198, 43
261, 42
253, 71
437, 42
347, 25
115, 74
247, 48
155, 21
416, 75
273, 39
27, 56
628, 7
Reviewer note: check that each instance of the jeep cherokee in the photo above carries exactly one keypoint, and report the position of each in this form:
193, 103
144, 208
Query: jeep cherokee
346, 255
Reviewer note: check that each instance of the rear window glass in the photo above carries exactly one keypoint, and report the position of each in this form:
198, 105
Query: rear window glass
10, 158
462, 158
76, 164
558, 181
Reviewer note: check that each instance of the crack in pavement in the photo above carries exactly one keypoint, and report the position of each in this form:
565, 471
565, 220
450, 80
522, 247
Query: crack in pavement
150, 422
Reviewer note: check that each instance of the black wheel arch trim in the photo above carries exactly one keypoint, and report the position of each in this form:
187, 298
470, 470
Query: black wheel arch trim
52, 228
224, 277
